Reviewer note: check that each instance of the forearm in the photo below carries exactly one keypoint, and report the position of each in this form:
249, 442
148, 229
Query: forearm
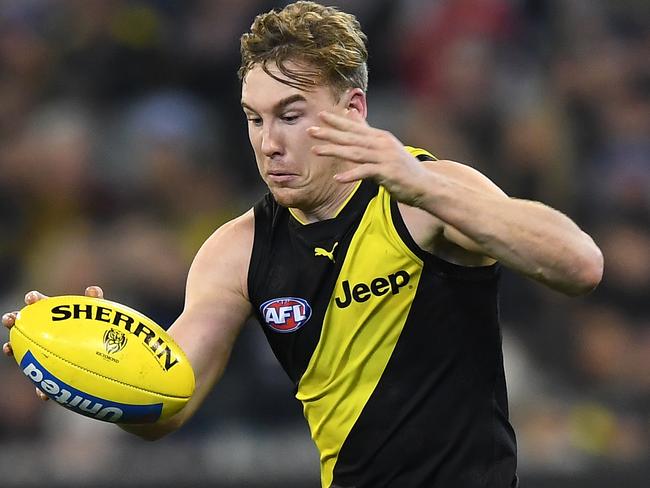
208, 349
206, 375
526, 236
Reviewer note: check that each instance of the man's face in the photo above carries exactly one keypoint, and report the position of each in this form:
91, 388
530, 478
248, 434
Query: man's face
278, 117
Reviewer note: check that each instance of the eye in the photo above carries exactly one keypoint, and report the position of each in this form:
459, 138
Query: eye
290, 119
256, 121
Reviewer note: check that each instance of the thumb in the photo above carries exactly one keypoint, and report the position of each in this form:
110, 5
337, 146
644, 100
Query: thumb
94, 291
41, 395
33, 297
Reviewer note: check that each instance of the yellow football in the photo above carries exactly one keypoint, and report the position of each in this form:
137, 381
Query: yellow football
101, 359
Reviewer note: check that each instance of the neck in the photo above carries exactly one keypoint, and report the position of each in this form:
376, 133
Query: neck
329, 208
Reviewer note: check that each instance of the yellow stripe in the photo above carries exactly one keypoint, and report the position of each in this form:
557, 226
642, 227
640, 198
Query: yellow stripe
416, 151
357, 342
295, 216
349, 197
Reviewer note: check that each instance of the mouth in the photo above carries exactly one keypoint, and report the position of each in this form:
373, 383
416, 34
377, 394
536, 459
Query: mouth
281, 176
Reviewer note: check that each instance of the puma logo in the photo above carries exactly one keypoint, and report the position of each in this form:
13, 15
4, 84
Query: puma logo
319, 251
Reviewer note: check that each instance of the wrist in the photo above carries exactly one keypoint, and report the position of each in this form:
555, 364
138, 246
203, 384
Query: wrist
429, 190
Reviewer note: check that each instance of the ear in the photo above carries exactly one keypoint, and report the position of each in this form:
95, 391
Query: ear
355, 99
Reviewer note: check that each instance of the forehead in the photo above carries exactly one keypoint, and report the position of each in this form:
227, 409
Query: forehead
260, 91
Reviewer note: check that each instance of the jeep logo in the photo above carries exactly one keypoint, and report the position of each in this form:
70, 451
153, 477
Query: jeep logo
361, 292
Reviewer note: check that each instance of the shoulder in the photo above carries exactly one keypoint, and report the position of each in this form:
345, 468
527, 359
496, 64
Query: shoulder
458, 171
437, 236
462, 173
224, 257
231, 236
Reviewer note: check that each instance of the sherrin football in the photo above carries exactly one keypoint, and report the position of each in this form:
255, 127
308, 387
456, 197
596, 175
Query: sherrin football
101, 359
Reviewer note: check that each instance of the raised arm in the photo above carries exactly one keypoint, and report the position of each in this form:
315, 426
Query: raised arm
447, 202
216, 307
527, 236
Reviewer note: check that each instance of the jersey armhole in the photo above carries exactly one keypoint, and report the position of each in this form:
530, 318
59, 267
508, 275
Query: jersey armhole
421, 154
431, 260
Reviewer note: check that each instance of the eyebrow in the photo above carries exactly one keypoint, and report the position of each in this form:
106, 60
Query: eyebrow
281, 104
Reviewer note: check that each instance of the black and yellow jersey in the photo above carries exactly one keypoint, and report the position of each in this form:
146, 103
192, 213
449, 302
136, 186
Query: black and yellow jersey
395, 353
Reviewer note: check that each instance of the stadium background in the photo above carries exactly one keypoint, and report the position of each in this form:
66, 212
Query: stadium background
122, 146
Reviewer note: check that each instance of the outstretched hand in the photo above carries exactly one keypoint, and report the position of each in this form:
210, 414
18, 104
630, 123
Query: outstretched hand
9, 319
376, 154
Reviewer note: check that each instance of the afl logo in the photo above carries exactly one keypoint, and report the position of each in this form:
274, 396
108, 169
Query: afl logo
285, 314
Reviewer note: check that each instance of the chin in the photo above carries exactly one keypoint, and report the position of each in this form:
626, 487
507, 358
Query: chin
284, 196
288, 197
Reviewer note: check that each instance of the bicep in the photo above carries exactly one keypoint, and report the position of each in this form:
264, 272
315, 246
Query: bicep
440, 237
216, 307
207, 332
475, 180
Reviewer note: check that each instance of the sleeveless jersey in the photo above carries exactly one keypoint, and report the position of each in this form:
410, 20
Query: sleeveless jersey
395, 353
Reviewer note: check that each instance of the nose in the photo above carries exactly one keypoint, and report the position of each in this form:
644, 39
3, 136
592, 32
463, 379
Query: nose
271, 141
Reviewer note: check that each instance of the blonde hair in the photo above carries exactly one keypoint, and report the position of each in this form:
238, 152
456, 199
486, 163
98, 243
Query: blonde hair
326, 45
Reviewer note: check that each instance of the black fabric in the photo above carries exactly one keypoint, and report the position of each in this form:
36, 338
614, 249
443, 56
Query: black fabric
438, 418
283, 264
425, 157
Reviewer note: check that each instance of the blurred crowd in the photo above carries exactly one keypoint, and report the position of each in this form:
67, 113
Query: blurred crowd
123, 146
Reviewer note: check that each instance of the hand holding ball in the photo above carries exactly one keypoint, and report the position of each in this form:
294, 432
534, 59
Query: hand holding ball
101, 359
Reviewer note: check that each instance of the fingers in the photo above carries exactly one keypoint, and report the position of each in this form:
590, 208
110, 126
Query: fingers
355, 154
33, 297
41, 395
350, 137
338, 136
350, 122
342, 130
355, 174
9, 319
94, 291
